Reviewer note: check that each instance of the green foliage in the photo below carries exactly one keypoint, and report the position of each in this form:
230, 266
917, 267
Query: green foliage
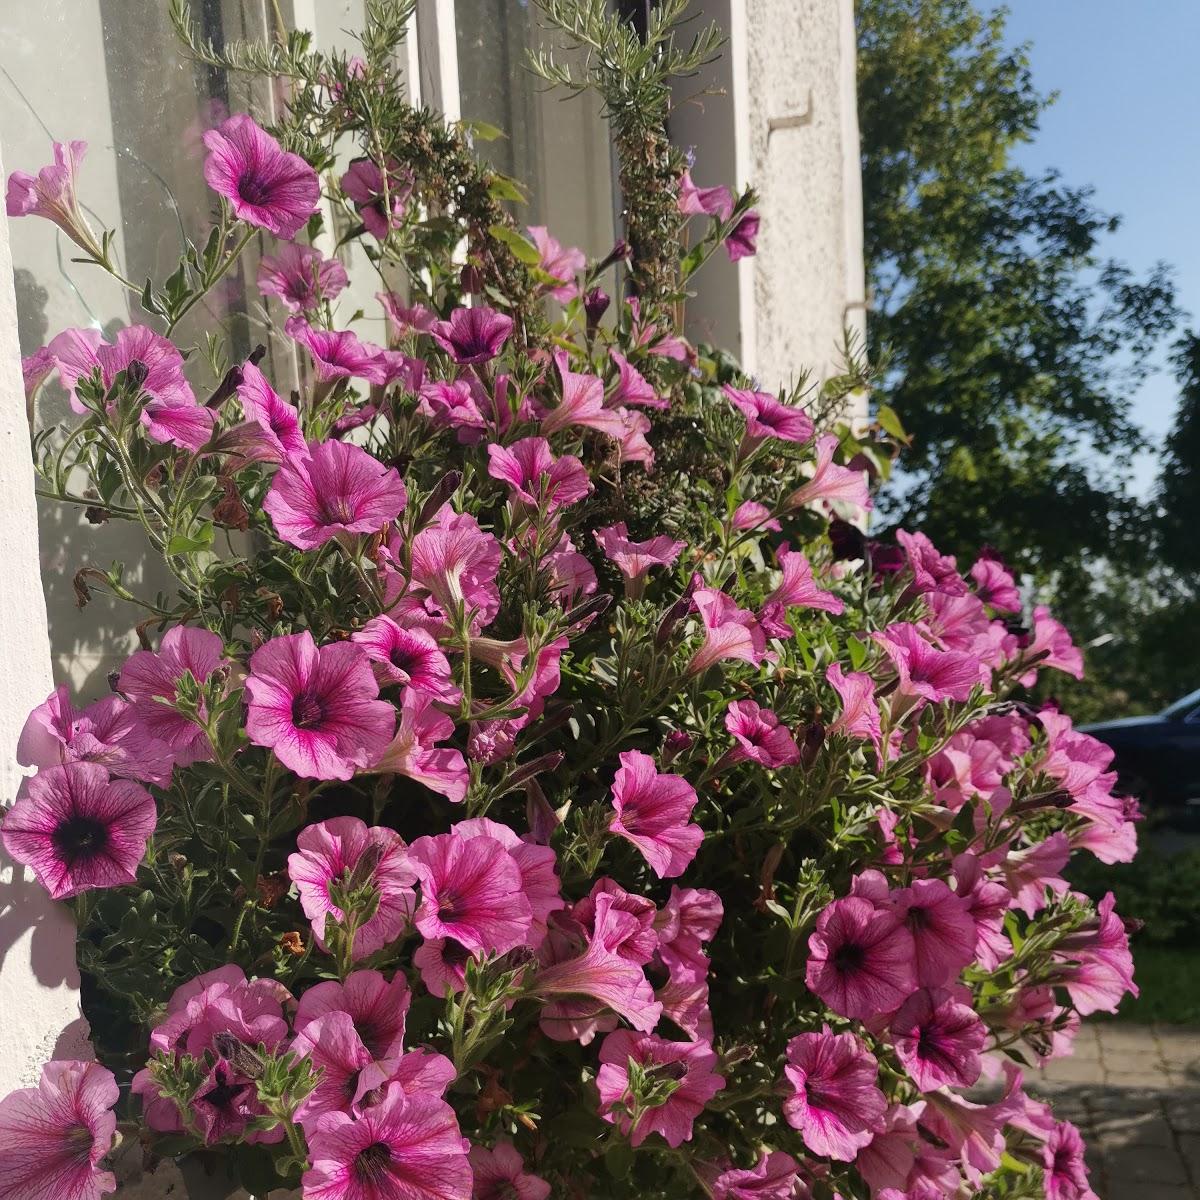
1013, 343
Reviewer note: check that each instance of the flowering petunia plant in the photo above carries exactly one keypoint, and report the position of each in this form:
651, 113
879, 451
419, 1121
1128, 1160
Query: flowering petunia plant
539, 782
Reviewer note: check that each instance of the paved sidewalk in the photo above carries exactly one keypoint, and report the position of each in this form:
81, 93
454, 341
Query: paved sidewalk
1134, 1093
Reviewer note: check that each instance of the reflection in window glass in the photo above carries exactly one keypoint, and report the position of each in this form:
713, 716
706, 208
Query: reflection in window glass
558, 148
109, 72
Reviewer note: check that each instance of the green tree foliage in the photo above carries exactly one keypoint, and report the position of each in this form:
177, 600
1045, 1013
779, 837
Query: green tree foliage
1179, 485
1012, 343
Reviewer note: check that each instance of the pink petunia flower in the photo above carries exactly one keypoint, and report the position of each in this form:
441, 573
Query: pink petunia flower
570, 573
536, 476
1065, 1175
932, 571
994, 584
78, 829
860, 959
338, 354
729, 632
613, 982
1098, 969
767, 417
317, 708
560, 262
265, 185
500, 1175
53, 1137
337, 487
1050, 645
169, 413
107, 732
859, 717
690, 1065
831, 482
301, 276
363, 185
939, 1040
51, 194
652, 810
274, 422
471, 891
583, 405
698, 201
942, 929
413, 751
1028, 872
835, 1102
927, 672
36, 368
457, 564
773, 1177
451, 405
632, 387
750, 514
634, 559
336, 851
408, 1145
409, 657
405, 318
987, 901
377, 1008
797, 589
537, 865
760, 735
742, 242
472, 335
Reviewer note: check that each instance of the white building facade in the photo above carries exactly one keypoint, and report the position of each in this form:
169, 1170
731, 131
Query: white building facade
778, 112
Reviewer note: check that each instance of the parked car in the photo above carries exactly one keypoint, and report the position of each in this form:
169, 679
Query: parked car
1158, 757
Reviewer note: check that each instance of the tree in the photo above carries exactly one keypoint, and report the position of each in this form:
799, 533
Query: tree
1012, 343
1179, 480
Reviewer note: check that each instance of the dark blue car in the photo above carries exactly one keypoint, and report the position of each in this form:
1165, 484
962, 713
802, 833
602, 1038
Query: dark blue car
1158, 757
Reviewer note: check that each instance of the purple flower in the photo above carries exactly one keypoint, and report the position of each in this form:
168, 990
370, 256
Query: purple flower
407, 1146
927, 672
558, 261
653, 810
473, 335
301, 276
742, 242
773, 1177
536, 476
364, 186
471, 891
942, 929
317, 708
264, 184
409, 657
836, 1102
51, 194
413, 751
860, 959
78, 829
1065, 1173
767, 417
337, 487
938, 1040
760, 735
54, 1136
500, 1175
692, 1067
376, 1007
329, 853
170, 414
634, 559
698, 201
278, 421
338, 354
150, 680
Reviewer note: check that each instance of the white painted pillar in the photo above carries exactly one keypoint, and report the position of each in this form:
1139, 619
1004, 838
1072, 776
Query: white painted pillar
39, 982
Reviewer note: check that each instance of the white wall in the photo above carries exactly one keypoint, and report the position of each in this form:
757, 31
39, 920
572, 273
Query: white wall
781, 114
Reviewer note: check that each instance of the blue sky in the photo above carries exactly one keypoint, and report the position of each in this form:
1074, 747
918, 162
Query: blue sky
1127, 120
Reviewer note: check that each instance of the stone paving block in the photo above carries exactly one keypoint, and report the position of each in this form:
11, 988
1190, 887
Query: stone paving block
1104, 1097
1146, 1191
1183, 1110
1134, 1165
1134, 1129
1068, 1070
1142, 1078
1189, 1147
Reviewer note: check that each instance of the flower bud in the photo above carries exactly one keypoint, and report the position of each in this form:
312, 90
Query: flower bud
595, 305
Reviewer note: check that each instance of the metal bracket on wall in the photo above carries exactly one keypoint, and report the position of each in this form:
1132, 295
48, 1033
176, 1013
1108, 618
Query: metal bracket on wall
794, 120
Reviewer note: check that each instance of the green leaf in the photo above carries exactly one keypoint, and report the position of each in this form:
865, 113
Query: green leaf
481, 131
888, 418
520, 245
183, 543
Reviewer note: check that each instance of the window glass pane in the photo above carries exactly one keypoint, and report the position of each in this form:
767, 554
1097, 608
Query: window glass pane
558, 148
110, 72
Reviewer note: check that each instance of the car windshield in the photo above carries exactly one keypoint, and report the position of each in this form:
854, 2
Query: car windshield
1182, 707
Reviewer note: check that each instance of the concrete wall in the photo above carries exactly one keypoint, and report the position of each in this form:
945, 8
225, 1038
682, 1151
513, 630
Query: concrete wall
778, 111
